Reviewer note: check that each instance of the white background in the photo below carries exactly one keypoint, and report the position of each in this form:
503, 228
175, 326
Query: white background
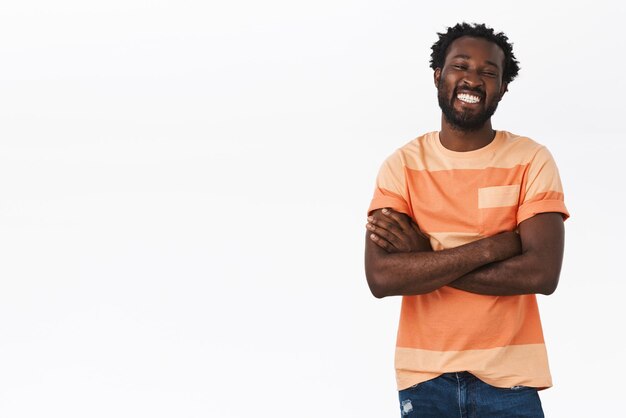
183, 188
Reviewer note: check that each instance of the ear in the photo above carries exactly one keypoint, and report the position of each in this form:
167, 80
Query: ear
437, 76
503, 89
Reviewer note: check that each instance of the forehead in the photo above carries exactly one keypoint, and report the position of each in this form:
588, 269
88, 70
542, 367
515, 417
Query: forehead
478, 49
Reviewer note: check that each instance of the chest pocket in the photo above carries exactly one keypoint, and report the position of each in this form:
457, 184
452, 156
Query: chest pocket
498, 208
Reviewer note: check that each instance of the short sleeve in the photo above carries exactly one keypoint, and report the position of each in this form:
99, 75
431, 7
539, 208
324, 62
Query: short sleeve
390, 190
542, 190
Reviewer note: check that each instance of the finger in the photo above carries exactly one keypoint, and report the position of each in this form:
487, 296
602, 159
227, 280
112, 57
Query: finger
381, 242
384, 222
389, 226
394, 238
403, 220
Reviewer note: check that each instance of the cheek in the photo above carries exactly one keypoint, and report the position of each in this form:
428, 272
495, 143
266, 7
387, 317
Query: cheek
495, 91
447, 82
499, 89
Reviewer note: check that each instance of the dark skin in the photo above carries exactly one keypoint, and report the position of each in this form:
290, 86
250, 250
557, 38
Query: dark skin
471, 64
398, 256
400, 261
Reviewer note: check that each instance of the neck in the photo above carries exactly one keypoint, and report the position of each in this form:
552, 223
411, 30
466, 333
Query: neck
462, 141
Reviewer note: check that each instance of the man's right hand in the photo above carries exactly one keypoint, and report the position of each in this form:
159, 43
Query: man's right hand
396, 232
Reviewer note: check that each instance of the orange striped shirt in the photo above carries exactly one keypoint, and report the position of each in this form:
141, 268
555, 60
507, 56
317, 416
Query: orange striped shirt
457, 198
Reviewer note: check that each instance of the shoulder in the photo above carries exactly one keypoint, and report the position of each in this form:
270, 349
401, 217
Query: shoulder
522, 148
413, 151
520, 142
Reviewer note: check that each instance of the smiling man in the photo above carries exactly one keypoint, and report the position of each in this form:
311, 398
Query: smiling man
466, 224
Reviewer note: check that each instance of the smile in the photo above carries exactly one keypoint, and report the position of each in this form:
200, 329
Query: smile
468, 98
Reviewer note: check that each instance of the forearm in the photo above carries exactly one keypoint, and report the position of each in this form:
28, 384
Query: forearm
422, 272
505, 278
518, 275
536, 270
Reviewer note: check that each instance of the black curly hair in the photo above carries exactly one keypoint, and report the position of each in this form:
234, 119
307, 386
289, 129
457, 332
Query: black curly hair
476, 30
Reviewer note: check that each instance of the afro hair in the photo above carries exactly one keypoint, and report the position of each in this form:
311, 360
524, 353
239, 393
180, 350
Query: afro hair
439, 48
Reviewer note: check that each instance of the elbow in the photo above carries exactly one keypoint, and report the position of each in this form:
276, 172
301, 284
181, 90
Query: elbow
548, 284
378, 284
379, 293
377, 288
548, 289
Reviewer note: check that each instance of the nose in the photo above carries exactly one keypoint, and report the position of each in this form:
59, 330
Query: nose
472, 79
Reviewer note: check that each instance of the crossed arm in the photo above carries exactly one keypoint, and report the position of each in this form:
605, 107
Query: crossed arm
400, 261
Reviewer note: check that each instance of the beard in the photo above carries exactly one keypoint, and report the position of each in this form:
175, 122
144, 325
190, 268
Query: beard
466, 120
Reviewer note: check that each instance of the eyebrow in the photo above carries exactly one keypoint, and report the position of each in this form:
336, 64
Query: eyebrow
468, 57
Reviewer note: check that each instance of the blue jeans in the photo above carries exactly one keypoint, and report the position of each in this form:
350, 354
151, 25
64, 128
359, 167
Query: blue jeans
463, 395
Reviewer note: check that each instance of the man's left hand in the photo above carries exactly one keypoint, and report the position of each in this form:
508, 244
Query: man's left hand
396, 232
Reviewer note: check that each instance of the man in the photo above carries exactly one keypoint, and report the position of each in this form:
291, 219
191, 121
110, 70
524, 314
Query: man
467, 225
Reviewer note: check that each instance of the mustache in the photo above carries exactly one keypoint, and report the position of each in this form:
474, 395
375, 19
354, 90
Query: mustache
476, 90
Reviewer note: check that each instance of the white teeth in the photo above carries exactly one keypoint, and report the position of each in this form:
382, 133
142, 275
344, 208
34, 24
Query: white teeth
468, 98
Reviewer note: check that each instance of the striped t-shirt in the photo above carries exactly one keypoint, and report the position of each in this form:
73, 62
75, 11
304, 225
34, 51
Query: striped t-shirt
457, 198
